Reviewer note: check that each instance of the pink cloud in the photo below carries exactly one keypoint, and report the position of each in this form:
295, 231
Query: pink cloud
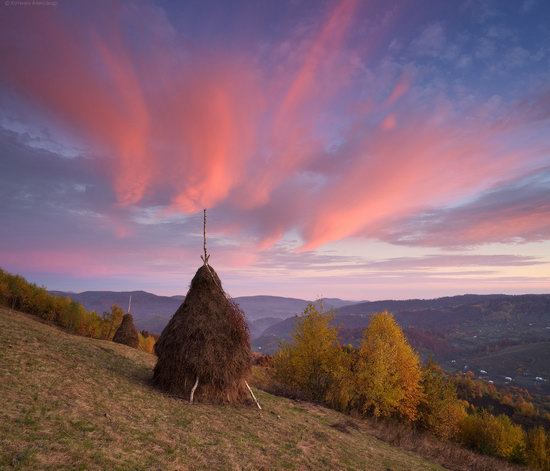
426, 161
188, 127
388, 123
512, 212
400, 89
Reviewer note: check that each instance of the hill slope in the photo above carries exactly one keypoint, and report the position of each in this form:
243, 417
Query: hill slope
77, 403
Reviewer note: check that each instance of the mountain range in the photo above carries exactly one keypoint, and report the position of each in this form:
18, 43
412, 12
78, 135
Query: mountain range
152, 312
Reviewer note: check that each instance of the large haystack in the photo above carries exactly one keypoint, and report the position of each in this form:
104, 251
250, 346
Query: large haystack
127, 333
204, 351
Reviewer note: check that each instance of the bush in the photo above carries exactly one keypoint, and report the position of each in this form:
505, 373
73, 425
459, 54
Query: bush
493, 435
440, 410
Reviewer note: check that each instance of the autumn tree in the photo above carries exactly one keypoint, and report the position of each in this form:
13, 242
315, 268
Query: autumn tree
112, 320
18, 293
146, 342
307, 363
439, 410
538, 449
388, 373
342, 393
4, 291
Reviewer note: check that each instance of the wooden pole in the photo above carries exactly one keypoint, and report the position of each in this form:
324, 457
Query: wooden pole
193, 390
130, 304
204, 257
253, 396
204, 232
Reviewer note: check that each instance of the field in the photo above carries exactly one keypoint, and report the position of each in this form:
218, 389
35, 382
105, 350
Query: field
76, 403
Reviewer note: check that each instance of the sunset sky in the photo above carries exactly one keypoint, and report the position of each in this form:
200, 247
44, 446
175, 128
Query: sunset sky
362, 150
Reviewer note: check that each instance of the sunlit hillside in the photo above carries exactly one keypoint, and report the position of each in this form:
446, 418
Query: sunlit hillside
77, 403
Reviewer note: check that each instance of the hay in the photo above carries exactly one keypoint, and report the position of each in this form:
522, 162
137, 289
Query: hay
206, 338
127, 333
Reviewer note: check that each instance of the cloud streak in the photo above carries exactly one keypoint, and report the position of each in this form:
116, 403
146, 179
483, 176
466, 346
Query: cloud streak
517, 211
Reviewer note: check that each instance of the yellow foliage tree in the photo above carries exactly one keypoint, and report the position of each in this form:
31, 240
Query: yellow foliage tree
146, 342
440, 411
342, 393
18, 293
538, 449
112, 321
388, 372
306, 364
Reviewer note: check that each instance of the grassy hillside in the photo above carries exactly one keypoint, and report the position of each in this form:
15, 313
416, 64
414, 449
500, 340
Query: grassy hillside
77, 403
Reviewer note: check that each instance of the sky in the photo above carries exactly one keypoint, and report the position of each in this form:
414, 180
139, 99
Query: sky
352, 149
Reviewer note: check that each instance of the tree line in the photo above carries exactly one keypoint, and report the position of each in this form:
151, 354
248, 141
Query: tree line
384, 378
18, 294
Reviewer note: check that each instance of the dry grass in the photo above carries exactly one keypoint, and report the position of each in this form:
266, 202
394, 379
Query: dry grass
448, 454
70, 402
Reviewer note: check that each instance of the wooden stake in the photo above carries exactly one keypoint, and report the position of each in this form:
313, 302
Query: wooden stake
253, 397
193, 390
204, 257
204, 232
130, 304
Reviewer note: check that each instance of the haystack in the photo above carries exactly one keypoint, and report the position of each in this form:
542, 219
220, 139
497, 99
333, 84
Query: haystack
204, 351
127, 333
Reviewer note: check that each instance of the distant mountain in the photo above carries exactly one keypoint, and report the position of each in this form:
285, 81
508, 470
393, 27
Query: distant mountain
152, 312
368, 307
257, 307
336, 303
448, 313
258, 326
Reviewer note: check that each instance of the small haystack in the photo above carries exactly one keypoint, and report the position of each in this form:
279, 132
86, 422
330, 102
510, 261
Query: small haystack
204, 351
127, 333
